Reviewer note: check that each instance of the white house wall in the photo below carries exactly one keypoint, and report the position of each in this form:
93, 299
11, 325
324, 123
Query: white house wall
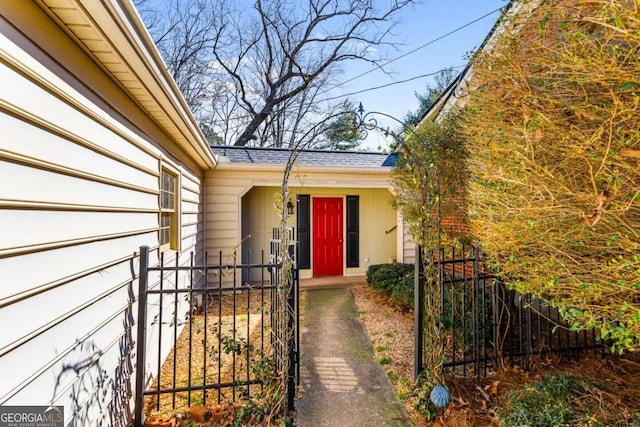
78, 196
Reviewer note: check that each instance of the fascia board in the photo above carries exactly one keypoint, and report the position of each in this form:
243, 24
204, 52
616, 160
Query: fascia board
311, 169
121, 28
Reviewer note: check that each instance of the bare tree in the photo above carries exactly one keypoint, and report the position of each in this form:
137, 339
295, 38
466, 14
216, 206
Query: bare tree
183, 35
246, 65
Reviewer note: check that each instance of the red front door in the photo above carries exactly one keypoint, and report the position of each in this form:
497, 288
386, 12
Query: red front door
327, 236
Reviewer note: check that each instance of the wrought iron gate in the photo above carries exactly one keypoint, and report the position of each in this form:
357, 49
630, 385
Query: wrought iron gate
484, 323
214, 332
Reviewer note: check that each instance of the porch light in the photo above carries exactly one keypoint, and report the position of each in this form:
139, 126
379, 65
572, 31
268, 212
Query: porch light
289, 208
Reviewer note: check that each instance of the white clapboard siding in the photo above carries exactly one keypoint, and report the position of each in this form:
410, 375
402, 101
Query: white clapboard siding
34, 184
31, 273
25, 229
85, 329
48, 109
19, 324
222, 211
79, 196
37, 143
409, 250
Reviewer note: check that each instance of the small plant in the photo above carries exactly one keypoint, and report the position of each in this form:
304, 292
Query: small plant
233, 346
384, 360
422, 402
549, 402
381, 348
264, 403
396, 280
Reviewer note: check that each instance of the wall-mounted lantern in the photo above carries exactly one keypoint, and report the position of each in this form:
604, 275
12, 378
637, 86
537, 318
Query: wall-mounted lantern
289, 208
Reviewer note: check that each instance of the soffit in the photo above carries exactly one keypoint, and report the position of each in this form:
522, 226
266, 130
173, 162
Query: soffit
112, 33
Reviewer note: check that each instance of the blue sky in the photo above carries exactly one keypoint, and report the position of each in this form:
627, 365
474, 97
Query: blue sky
421, 24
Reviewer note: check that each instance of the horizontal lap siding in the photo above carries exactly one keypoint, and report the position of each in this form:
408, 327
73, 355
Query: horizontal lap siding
191, 219
79, 196
409, 249
222, 195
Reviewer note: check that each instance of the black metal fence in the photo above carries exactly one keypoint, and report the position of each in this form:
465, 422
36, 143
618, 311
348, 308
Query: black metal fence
207, 336
485, 324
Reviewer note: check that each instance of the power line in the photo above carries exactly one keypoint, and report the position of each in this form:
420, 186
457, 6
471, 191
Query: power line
430, 42
247, 116
391, 84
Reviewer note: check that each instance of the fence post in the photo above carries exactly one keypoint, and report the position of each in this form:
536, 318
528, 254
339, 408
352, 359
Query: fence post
418, 313
141, 335
296, 282
291, 341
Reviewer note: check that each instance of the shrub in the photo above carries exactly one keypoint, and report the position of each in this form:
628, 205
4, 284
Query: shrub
396, 280
567, 400
544, 403
554, 149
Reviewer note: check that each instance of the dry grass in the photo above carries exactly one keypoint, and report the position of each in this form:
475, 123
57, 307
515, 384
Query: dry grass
232, 344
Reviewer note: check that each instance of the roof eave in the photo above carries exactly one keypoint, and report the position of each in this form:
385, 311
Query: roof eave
116, 24
447, 98
305, 168
158, 70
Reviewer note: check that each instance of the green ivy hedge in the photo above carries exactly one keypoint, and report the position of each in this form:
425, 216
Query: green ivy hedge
396, 280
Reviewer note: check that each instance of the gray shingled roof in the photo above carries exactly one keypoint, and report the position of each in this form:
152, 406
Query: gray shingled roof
279, 156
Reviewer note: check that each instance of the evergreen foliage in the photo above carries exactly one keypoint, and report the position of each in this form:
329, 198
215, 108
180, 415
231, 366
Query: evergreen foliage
442, 81
396, 280
340, 134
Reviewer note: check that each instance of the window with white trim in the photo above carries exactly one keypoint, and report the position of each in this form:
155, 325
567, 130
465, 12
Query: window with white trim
168, 238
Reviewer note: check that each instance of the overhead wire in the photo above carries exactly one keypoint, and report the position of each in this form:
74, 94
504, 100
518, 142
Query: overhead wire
430, 42
391, 84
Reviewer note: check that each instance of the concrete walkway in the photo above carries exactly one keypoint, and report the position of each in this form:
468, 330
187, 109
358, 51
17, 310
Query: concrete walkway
341, 384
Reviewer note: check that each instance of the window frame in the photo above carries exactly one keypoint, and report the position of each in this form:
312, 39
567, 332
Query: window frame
168, 209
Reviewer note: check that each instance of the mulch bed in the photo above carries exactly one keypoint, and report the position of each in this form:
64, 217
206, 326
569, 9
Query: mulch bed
475, 400
222, 363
